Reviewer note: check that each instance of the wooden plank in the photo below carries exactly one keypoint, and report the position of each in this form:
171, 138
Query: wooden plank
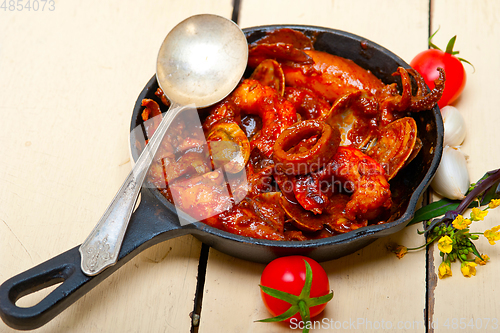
69, 80
396, 25
366, 284
372, 287
477, 27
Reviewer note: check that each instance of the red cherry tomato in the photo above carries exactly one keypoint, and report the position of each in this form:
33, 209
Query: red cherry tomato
288, 274
427, 62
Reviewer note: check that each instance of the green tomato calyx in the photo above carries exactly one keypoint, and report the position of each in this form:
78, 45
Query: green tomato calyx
449, 47
300, 304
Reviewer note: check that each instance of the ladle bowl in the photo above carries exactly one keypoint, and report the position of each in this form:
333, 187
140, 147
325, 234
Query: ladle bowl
201, 60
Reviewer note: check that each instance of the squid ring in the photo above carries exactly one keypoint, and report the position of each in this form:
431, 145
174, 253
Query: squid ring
293, 162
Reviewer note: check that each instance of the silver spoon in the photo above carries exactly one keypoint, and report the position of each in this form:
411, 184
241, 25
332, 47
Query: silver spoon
200, 62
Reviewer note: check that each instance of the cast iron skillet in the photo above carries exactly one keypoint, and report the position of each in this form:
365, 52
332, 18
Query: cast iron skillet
155, 220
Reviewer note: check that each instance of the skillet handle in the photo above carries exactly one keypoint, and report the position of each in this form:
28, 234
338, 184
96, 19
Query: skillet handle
150, 224
63, 268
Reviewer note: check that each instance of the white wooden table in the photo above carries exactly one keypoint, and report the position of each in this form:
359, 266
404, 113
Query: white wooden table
69, 78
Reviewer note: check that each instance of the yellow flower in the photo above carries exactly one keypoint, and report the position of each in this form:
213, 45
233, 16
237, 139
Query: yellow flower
477, 214
468, 268
444, 244
482, 261
400, 251
492, 235
460, 223
494, 203
444, 270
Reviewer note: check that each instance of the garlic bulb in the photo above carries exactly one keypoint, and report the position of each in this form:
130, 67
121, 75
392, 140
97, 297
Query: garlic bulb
454, 126
452, 177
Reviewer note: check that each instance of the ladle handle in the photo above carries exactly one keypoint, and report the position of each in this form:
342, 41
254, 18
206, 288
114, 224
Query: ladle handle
150, 224
100, 249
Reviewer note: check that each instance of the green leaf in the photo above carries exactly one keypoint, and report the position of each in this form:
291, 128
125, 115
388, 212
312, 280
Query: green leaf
440, 207
306, 290
432, 210
432, 45
284, 296
451, 44
492, 193
467, 62
449, 48
319, 300
284, 316
473, 185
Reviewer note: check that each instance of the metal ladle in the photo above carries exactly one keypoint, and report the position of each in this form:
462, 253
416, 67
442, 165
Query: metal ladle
200, 62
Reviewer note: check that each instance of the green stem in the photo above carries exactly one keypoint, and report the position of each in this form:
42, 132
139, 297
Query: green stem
304, 314
481, 187
422, 246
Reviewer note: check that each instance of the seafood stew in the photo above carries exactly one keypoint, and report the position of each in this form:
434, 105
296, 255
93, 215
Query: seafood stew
292, 154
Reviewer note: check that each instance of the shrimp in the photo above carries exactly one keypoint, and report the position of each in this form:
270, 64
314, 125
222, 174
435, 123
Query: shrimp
276, 113
351, 172
364, 178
